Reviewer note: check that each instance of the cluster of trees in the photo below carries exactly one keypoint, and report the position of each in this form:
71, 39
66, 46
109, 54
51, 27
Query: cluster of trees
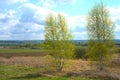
29, 46
100, 37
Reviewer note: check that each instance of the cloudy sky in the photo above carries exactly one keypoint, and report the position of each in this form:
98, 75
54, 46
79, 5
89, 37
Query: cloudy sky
25, 19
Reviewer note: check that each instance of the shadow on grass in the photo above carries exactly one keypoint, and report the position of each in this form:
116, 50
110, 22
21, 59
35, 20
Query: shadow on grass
48, 74
28, 76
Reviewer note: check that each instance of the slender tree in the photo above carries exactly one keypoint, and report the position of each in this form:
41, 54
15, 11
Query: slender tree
100, 32
58, 39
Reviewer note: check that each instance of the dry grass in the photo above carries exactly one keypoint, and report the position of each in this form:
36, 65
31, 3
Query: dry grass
116, 61
79, 67
23, 61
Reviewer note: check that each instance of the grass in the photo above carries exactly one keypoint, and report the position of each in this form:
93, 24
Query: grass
7, 72
16, 67
27, 73
19, 50
35, 68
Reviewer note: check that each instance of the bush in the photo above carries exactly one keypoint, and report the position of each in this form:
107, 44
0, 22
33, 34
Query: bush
118, 50
80, 52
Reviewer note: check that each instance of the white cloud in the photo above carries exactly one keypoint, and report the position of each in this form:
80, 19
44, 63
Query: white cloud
80, 35
31, 22
74, 1
117, 28
54, 3
115, 15
37, 9
7, 21
114, 12
77, 22
8, 14
47, 3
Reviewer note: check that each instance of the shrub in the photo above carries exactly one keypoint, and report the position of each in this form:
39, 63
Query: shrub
80, 52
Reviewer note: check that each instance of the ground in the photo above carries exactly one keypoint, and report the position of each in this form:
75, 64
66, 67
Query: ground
22, 67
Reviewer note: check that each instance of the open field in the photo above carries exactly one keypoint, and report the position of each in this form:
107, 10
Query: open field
35, 68
31, 68
21, 52
30, 64
29, 73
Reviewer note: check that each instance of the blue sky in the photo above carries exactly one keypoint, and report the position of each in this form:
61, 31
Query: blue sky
25, 19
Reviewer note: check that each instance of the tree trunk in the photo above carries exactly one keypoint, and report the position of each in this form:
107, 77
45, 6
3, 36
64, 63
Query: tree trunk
60, 64
101, 64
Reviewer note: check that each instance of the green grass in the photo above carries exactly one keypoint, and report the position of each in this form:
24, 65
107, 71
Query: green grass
7, 72
19, 50
26, 73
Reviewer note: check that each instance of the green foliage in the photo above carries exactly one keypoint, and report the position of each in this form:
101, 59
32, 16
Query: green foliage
117, 49
100, 32
80, 52
30, 46
99, 52
52, 63
58, 39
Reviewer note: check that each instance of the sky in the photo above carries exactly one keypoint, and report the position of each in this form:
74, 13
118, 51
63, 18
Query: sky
25, 19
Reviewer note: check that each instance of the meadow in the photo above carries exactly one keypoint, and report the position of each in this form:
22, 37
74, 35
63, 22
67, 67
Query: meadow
29, 67
8, 52
21, 69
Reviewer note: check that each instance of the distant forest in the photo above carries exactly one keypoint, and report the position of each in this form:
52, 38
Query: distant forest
19, 42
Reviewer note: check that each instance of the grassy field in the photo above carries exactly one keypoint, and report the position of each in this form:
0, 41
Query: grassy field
29, 64
29, 73
35, 68
20, 50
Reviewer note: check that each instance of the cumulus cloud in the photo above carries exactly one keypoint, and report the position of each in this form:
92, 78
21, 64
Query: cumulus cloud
115, 15
31, 22
34, 10
76, 22
29, 25
7, 16
7, 21
77, 25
